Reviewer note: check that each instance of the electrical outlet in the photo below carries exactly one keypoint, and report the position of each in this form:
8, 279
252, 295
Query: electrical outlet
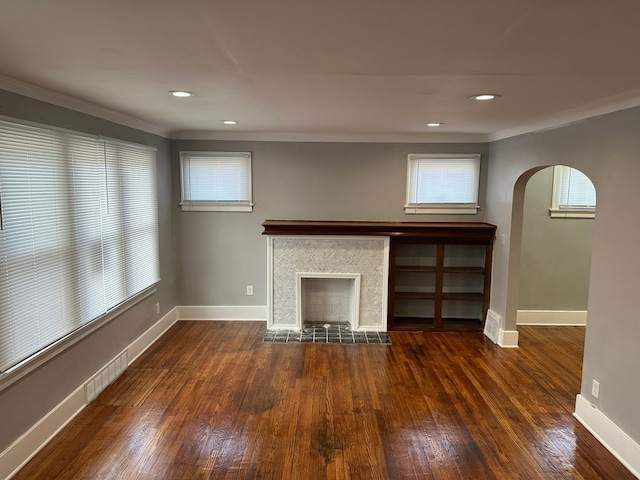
595, 389
157, 308
249, 289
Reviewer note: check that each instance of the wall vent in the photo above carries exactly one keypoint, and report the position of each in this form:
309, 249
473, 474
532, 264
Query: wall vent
105, 377
492, 325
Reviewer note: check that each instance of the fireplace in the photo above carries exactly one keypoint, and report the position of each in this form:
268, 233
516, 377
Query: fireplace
303, 263
328, 298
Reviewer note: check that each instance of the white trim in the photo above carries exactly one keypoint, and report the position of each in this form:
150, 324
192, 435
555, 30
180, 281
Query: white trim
422, 210
614, 439
332, 137
215, 207
567, 213
508, 338
223, 312
81, 106
148, 338
33, 440
552, 317
594, 109
385, 285
270, 282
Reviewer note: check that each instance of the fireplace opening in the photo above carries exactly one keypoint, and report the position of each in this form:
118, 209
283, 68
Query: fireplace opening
328, 299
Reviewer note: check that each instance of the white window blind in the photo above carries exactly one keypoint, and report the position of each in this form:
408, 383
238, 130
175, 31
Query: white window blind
216, 181
573, 193
61, 206
442, 183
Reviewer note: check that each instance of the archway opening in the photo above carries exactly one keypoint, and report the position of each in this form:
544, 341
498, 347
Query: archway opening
558, 213
549, 273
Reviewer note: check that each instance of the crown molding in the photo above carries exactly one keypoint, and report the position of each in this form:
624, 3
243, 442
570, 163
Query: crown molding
561, 119
78, 105
332, 137
569, 117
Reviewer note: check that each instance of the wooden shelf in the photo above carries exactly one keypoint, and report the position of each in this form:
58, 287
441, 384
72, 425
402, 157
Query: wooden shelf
459, 296
465, 270
421, 269
447, 324
415, 295
478, 233
463, 297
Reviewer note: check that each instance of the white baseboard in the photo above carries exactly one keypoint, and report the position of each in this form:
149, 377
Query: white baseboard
623, 447
216, 312
148, 338
31, 442
508, 338
552, 317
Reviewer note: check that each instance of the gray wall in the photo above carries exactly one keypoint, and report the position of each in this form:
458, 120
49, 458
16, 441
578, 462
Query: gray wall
556, 253
27, 401
606, 149
218, 254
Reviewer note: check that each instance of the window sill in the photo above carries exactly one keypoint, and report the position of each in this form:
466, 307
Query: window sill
424, 210
218, 207
562, 213
28, 365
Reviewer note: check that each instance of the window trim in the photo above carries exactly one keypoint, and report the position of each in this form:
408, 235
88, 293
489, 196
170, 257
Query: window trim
441, 208
558, 211
209, 205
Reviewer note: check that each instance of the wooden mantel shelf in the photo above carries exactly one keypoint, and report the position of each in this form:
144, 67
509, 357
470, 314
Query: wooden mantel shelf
451, 232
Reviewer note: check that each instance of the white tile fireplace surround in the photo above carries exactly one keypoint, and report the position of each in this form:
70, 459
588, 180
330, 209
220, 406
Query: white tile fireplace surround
328, 278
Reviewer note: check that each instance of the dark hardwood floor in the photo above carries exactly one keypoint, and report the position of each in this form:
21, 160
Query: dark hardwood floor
211, 400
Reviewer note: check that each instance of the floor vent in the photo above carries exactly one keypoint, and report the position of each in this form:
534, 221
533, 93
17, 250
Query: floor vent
105, 377
492, 325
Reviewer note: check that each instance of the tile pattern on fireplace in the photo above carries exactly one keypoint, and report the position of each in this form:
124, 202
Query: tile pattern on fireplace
318, 332
365, 255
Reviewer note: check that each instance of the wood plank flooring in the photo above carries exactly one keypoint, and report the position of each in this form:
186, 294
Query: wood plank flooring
210, 400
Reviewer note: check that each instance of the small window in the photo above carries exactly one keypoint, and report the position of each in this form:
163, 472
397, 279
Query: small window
574, 196
442, 183
216, 181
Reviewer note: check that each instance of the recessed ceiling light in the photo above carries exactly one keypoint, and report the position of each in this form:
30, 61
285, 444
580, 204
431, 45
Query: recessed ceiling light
485, 96
181, 93
434, 124
230, 122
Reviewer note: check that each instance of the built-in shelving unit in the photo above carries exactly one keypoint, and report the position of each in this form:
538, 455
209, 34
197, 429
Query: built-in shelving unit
440, 278
439, 272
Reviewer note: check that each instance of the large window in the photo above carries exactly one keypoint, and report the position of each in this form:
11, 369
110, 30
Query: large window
573, 196
78, 233
216, 181
442, 183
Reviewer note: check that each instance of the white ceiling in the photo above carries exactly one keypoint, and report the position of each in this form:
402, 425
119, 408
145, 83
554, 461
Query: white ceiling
367, 69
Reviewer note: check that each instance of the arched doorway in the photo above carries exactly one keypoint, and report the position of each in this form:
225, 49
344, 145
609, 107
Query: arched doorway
556, 246
566, 381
